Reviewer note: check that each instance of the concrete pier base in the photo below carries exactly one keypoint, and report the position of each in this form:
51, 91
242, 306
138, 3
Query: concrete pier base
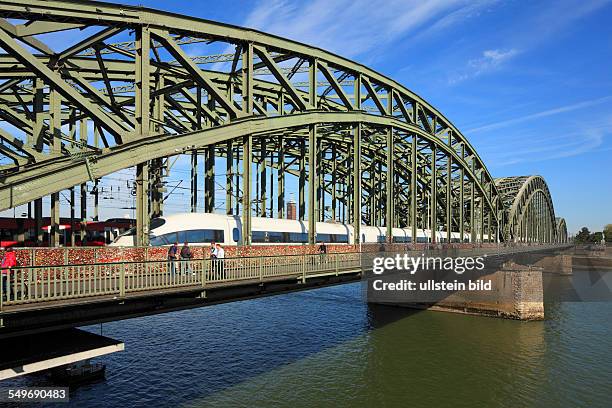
558, 264
517, 293
514, 292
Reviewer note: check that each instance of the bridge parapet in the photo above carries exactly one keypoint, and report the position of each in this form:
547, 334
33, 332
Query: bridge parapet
32, 284
90, 255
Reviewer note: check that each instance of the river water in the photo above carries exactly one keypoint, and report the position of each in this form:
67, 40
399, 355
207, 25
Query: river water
327, 347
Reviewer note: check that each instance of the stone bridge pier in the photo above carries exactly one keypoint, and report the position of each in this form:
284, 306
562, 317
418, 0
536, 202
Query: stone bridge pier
510, 286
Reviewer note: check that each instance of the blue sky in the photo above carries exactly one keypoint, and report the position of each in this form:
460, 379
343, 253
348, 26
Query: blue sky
529, 83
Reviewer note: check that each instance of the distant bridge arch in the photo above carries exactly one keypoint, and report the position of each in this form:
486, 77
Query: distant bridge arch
530, 210
562, 236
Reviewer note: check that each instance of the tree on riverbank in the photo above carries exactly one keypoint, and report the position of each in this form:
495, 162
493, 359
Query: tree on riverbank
583, 235
587, 236
608, 232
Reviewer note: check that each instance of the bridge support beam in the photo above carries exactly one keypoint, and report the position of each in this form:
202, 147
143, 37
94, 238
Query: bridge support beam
433, 225
194, 181
313, 184
209, 178
54, 220
156, 173
142, 204
229, 173
389, 190
38, 208
413, 188
356, 211
83, 214
280, 198
449, 198
262, 179
247, 147
334, 185
302, 181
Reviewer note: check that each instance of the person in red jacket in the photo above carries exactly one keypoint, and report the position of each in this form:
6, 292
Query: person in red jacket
8, 261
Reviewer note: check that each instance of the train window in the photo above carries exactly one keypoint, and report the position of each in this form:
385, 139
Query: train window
422, 240
258, 236
402, 239
381, 239
166, 239
276, 237
341, 238
201, 236
280, 237
191, 236
333, 238
324, 238
270, 237
236, 234
297, 238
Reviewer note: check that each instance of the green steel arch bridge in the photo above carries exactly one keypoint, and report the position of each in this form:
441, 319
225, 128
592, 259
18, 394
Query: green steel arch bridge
138, 86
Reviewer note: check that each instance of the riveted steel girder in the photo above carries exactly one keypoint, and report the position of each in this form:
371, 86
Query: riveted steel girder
358, 138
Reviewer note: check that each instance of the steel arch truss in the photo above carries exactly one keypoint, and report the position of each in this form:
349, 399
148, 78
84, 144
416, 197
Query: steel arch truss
139, 85
530, 214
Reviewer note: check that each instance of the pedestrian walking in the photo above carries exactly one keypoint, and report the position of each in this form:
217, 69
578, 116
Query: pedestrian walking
213, 260
220, 253
322, 251
172, 255
186, 256
9, 260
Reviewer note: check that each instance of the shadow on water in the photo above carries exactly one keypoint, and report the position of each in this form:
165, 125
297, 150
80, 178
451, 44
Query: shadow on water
328, 347
224, 345
381, 315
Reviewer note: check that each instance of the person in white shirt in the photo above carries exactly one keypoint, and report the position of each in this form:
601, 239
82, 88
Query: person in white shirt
220, 263
220, 252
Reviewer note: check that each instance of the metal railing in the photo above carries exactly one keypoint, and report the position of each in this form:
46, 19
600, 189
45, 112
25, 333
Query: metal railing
46, 283
30, 284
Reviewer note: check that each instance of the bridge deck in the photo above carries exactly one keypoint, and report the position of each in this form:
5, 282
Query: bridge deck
54, 297
176, 290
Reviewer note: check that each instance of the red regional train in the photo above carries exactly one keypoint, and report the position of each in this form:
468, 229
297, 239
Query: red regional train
21, 232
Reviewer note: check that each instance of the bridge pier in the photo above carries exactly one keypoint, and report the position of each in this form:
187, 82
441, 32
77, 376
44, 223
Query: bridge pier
510, 285
517, 294
558, 264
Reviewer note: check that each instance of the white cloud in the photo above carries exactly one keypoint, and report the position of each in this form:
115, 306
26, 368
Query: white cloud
544, 24
355, 27
542, 114
487, 62
492, 58
537, 146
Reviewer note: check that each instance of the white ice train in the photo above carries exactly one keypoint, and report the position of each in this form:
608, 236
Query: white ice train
203, 228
